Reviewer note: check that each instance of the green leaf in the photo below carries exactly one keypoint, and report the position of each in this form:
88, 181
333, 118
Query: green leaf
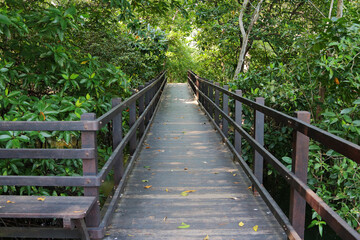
4, 138
65, 76
74, 76
4, 19
14, 168
183, 225
45, 134
356, 101
356, 123
24, 138
346, 110
92, 75
328, 114
67, 137
287, 160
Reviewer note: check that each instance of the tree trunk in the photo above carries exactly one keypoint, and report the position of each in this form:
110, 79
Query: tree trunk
245, 35
331, 7
340, 7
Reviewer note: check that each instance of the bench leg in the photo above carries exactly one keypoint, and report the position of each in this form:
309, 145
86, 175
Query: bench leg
80, 224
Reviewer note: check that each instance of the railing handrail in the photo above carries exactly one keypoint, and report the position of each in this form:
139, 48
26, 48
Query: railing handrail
343, 146
330, 216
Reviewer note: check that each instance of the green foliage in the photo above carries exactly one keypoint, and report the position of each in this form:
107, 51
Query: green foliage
59, 61
179, 58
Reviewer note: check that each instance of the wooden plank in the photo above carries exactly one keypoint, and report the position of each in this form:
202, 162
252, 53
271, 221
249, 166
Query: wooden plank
51, 207
182, 152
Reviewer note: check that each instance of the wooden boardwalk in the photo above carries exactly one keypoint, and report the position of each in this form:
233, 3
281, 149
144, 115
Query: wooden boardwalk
183, 152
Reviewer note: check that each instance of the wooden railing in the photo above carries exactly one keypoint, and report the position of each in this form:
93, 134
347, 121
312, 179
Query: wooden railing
209, 95
141, 107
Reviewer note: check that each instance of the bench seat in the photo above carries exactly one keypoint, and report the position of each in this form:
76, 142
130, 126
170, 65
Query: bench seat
71, 209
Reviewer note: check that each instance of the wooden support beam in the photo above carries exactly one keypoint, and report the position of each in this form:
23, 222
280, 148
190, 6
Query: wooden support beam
90, 168
225, 124
299, 167
117, 137
238, 120
259, 137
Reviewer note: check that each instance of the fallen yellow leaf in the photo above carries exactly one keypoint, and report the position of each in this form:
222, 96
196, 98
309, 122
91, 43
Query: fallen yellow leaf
249, 187
255, 228
207, 237
41, 199
147, 147
148, 186
8, 201
79, 211
167, 190
236, 182
234, 174
130, 235
190, 191
241, 224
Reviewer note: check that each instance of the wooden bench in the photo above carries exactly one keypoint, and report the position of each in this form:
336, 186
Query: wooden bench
71, 209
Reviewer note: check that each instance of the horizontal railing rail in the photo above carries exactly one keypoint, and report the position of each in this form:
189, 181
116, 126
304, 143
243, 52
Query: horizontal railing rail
208, 96
141, 106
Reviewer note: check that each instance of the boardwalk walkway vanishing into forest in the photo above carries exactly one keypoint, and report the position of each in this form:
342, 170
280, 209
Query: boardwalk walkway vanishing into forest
185, 177
182, 152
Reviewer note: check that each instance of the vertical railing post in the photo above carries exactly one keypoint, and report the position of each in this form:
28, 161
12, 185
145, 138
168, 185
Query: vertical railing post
259, 137
90, 168
211, 96
225, 124
141, 110
132, 120
152, 97
238, 120
198, 87
147, 97
299, 167
117, 137
217, 102
201, 90
206, 92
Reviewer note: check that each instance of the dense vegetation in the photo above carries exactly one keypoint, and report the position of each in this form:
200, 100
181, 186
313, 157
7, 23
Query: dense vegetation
59, 59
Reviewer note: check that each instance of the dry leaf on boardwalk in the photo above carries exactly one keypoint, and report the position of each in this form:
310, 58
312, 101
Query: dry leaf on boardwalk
41, 199
148, 186
8, 201
255, 228
241, 224
206, 238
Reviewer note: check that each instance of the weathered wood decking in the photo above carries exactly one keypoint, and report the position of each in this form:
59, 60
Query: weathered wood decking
183, 152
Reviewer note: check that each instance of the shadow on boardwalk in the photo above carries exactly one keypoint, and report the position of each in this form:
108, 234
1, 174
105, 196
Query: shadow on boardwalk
183, 152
